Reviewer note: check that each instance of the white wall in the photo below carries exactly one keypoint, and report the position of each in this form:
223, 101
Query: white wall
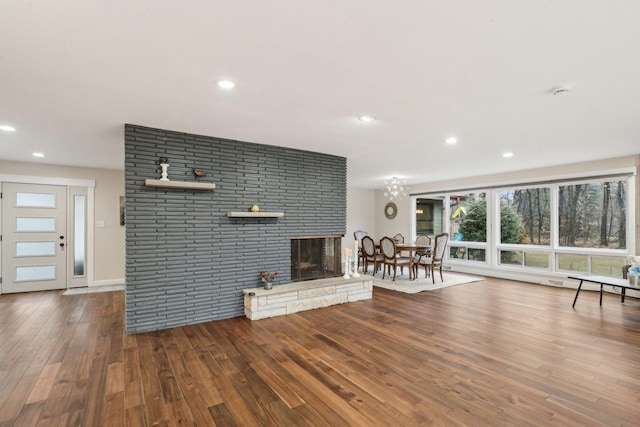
365, 211
360, 214
390, 227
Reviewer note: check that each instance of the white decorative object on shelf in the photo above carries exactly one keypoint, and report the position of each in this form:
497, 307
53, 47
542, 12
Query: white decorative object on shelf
165, 168
164, 164
255, 214
180, 184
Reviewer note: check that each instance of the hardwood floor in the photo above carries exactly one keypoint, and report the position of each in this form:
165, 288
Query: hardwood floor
494, 352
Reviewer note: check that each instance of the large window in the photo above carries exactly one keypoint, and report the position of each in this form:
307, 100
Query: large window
468, 223
557, 227
525, 216
593, 215
468, 217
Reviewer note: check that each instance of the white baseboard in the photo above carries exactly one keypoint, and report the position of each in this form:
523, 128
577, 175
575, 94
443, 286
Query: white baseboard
109, 282
554, 280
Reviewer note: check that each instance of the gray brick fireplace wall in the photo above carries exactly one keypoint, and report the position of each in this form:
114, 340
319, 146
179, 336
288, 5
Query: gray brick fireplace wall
186, 261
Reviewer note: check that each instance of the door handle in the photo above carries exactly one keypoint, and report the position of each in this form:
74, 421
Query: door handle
62, 245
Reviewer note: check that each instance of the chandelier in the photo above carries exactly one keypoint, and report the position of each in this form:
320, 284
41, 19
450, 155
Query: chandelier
394, 189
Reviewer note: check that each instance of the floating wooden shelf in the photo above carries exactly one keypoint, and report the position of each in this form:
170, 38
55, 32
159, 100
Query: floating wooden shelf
255, 214
180, 184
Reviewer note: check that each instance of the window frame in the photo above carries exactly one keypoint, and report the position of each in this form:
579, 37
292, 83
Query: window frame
493, 246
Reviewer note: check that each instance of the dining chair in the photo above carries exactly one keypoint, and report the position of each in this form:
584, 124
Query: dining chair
435, 260
420, 254
391, 258
369, 255
399, 238
358, 235
423, 239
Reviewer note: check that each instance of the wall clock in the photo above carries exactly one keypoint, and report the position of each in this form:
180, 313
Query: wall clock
390, 210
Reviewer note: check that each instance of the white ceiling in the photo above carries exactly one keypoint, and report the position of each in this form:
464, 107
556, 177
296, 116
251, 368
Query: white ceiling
73, 72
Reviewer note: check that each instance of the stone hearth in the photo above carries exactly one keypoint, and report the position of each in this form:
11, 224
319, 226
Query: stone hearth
260, 303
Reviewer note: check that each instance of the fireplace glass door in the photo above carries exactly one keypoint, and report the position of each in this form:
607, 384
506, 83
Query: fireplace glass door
315, 257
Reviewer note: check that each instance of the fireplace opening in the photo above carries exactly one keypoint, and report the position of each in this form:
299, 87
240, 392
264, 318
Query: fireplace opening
315, 257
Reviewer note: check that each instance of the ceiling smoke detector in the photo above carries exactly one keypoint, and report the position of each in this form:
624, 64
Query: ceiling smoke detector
559, 90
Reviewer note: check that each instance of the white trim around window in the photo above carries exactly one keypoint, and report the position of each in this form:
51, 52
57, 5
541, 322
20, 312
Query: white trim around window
492, 247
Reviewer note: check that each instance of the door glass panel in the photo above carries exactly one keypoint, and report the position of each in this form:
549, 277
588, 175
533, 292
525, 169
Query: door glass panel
35, 224
40, 272
78, 235
429, 216
35, 200
35, 248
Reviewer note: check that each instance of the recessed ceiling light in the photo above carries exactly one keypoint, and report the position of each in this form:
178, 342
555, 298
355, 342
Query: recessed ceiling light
38, 155
451, 140
507, 154
7, 128
366, 118
226, 84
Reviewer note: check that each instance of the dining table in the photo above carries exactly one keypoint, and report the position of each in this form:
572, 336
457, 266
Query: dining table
412, 249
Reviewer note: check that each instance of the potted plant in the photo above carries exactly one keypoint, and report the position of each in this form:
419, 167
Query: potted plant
268, 277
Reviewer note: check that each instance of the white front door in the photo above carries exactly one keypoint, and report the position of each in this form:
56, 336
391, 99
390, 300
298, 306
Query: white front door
34, 238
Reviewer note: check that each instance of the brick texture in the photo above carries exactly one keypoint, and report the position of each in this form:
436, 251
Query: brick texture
186, 261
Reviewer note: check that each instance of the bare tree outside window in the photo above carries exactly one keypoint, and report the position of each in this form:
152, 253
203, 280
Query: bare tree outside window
593, 215
533, 207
